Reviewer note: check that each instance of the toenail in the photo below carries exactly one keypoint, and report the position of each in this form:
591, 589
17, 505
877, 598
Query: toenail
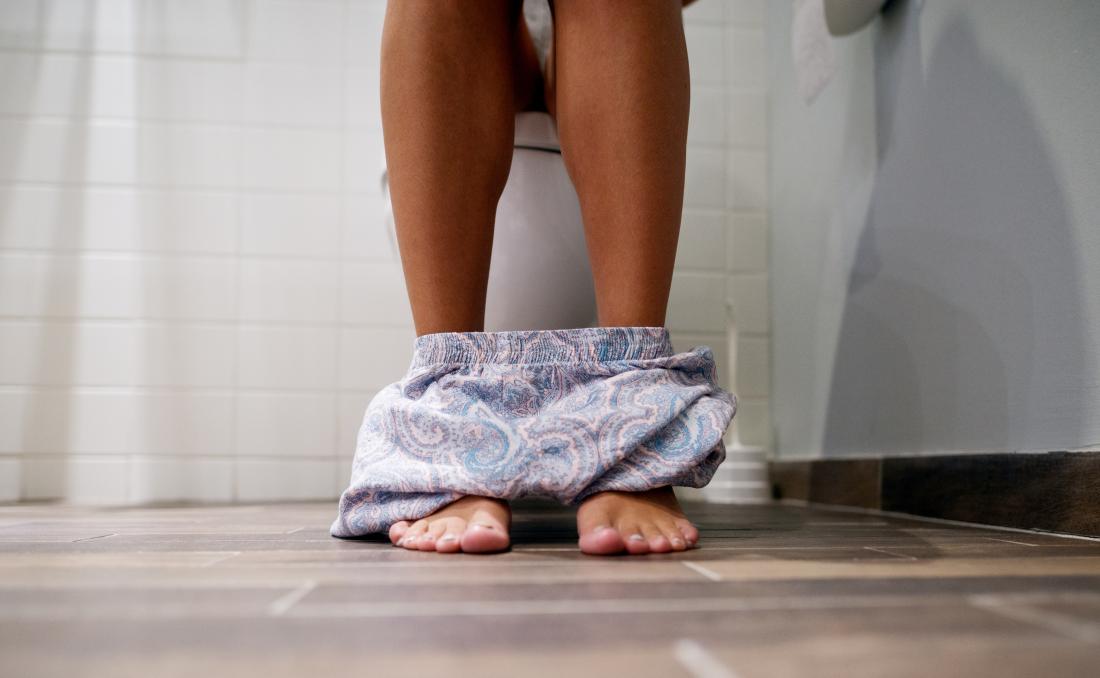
636, 537
448, 537
482, 526
677, 542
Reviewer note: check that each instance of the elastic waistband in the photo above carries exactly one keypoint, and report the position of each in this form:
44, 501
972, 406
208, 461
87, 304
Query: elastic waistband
586, 344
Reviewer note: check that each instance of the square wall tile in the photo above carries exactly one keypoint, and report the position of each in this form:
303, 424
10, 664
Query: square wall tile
364, 161
293, 94
292, 159
697, 302
362, 105
753, 421
289, 291
747, 118
187, 288
373, 358
291, 225
95, 481
182, 423
747, 180
748, 243
367, 233
287, 357
189, 156
20, 23
286, 424
753, 367
190, 91
299, 31
363, 32
286, 480
707, 121
746, 57
196, 28
44, 478
154, 480
374, 294
748, 301
702, 240
705, 178
749, 13
706, 51
352, 408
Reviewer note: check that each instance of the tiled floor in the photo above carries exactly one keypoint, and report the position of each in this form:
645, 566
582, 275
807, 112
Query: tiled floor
775, 591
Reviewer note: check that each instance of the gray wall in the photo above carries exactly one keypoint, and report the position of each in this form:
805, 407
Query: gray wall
936, 233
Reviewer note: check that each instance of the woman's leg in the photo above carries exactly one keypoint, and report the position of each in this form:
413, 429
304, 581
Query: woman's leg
448, 115
620, 89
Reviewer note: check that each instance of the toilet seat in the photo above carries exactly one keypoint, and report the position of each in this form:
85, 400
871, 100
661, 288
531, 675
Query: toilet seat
536, 130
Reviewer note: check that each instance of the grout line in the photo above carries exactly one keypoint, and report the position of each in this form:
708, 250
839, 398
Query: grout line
698, 661
281, 605
1061, 624
903, 556
1009, 541
221, 558
705, 571
846, 524
101, 536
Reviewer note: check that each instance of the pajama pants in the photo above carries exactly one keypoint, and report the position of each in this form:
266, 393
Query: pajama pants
561, 414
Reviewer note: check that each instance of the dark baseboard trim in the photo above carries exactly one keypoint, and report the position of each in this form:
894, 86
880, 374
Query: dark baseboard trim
1055, 491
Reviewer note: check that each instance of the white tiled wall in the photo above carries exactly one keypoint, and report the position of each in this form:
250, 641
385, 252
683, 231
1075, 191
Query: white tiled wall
723, 257
197, 298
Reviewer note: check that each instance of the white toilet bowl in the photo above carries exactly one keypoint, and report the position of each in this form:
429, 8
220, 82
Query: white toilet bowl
540, 277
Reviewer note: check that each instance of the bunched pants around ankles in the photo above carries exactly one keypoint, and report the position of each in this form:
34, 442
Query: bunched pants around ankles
552, 413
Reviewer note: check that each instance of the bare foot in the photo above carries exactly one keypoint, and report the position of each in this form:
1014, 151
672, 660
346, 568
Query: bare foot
635, 523
470, 525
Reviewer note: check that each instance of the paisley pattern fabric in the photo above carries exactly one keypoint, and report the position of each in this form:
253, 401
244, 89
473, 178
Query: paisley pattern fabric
552, 413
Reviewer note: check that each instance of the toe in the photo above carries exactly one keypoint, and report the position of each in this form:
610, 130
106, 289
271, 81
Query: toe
690, 532
398, 530
450, 541
427, 539
411, 539
483, 537
601, 540
484, 533
636, 542
597, 537
658, 543
674, 536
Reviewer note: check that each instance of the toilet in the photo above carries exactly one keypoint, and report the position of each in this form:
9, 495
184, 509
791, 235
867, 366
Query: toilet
540, 277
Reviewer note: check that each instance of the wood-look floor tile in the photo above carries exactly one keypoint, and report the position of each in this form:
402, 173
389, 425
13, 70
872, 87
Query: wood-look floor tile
775, 590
